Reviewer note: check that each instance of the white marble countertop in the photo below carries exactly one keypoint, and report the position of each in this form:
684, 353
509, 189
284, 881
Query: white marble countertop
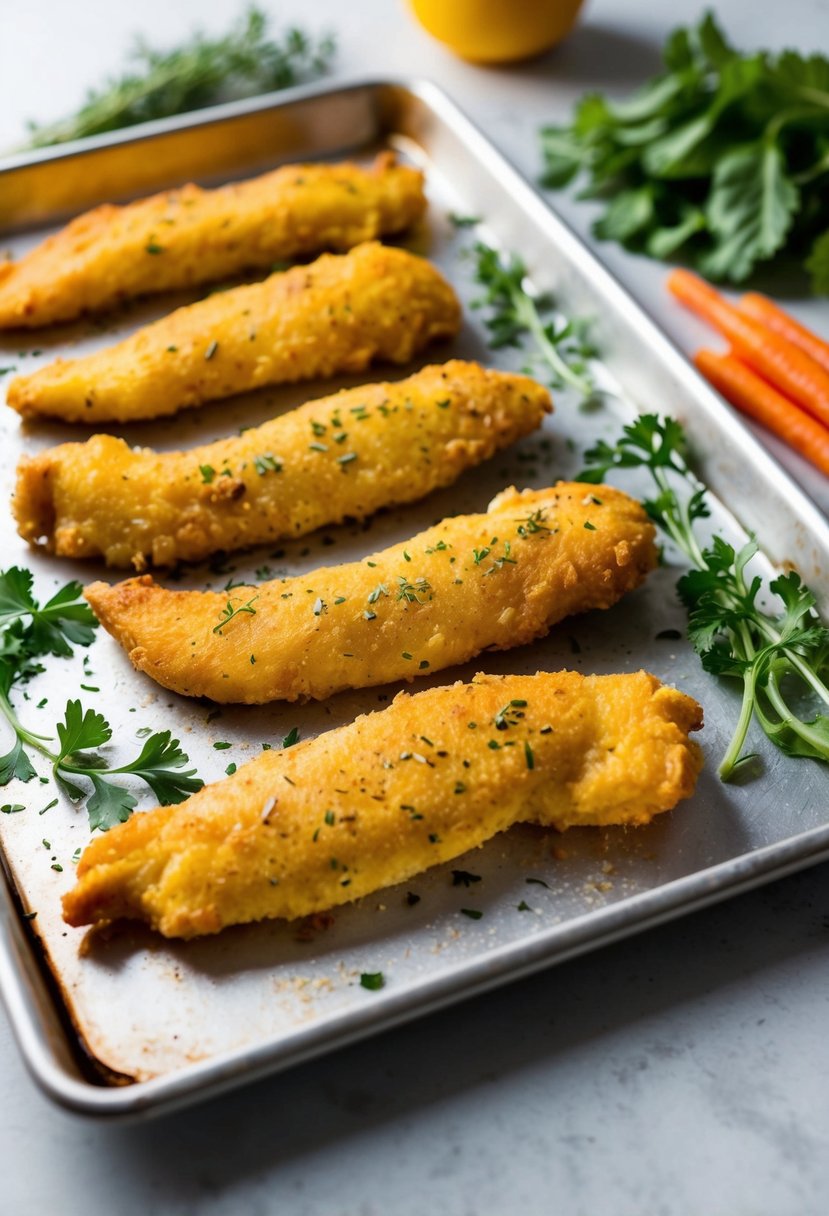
683, 1072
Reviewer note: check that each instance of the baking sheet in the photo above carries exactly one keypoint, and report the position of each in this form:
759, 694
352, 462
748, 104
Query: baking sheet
177, 1019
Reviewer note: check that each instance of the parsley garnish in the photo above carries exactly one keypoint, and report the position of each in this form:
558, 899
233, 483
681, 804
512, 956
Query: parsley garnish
498, 563
463, 878
207, 473
292, 737
30, 631
781, 658
510, 714
53, 628
158, 765
267, 463
373, 980
411, 591
533, 523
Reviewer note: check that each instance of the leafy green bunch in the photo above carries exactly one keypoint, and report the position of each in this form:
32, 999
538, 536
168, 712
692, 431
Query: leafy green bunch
30, 631
781, 658
723, 158
202, 70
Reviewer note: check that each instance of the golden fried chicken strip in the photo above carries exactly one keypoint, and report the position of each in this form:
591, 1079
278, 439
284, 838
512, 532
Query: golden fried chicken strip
184, 237
470, 583
372, 804
337, 314
340, 456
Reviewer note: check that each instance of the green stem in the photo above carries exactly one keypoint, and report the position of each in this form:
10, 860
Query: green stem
527, 313
819, 97
735, 747
777, 124
20, 730
682, 532
806, 732
688, 544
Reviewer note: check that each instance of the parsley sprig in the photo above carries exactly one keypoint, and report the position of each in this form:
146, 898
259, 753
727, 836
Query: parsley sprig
780, 657
31, 631
200, 71
515, 311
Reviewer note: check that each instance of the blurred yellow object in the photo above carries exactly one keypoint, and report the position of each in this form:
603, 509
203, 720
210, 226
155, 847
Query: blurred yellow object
497, 31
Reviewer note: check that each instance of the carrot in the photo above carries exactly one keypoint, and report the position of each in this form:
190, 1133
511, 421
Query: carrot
778, 360
761, 308
762, 402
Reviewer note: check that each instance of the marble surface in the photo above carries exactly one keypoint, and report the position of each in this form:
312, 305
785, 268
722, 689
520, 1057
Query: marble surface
681, 1072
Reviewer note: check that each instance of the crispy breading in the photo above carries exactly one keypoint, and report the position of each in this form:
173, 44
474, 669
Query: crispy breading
184, 237
372, 804
470, 583
337, 314
336, 457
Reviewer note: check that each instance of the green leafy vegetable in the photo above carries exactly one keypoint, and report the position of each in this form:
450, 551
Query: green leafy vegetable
723, 158
29, 631
199, 72
65, 620
158, 765
514, 312
781, 658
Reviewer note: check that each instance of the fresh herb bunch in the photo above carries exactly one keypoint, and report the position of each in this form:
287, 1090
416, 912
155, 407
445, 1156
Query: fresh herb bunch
781, 658
515, 312
30, 632
199, 72
723, 158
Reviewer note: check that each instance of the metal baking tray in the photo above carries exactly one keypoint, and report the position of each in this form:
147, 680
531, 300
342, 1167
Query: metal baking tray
134, 1024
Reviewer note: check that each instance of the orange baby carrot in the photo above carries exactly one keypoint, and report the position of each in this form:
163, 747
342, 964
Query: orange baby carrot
761, 401
778, 360
774, 317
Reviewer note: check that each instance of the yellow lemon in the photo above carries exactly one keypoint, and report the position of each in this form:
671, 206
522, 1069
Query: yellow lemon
496, 31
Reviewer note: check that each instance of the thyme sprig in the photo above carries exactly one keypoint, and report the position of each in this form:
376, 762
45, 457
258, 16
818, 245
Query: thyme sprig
231, 611
200, 71
515, 311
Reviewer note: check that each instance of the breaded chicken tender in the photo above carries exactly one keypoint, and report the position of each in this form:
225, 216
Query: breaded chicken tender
337, 457
371, 804
184, 237
337, 314
470, 583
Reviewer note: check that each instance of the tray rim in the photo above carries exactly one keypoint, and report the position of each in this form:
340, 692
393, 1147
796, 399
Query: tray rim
23, 984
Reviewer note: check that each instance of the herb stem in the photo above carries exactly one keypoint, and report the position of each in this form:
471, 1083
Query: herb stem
732, 756
27, 736
528, 315
800, 728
